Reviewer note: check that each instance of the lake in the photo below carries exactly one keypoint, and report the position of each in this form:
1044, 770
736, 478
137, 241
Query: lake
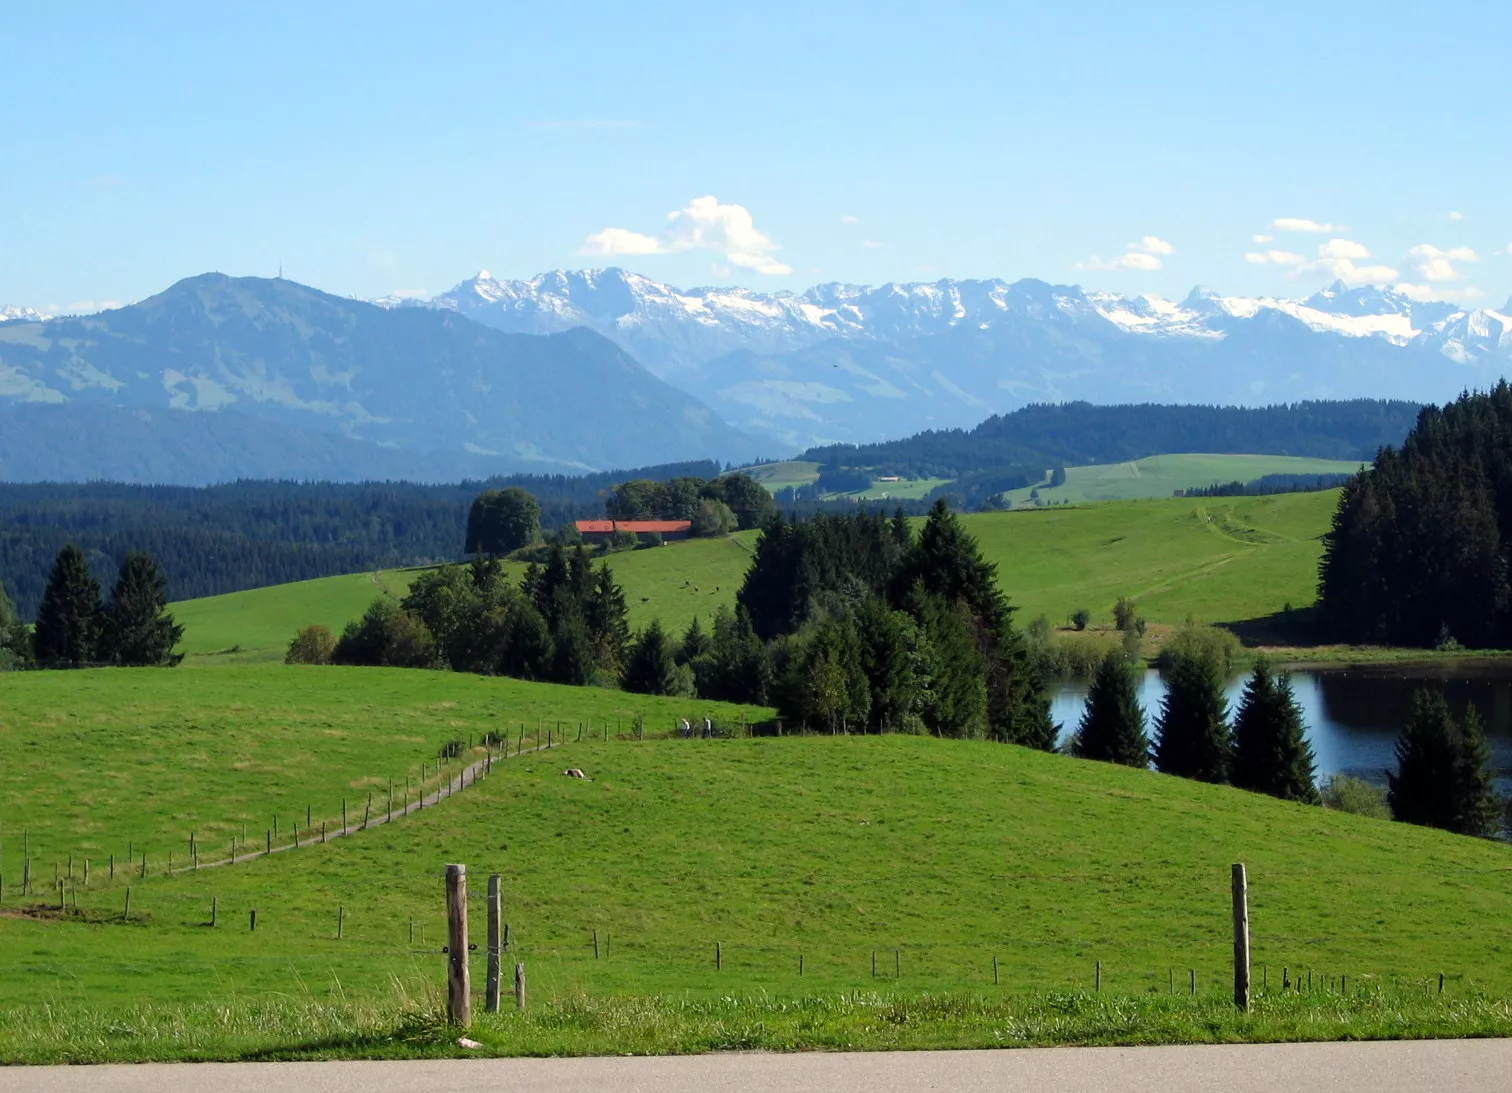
1353, 715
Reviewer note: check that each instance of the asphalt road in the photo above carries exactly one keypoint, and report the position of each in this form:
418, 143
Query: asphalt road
1411, 1067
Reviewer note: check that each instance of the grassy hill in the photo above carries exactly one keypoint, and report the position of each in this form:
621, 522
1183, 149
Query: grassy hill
1218, 560
105, 760
936, 855
1162, 475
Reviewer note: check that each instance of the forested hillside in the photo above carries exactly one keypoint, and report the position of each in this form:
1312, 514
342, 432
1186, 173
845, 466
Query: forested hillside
1076, 433
249, 534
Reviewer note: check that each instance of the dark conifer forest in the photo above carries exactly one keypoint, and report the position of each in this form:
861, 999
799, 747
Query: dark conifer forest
1419, 549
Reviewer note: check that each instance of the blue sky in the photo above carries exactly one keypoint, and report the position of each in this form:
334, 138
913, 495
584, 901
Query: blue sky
400, 147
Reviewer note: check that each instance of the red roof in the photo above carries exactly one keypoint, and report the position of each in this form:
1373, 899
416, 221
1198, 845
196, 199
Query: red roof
640, 527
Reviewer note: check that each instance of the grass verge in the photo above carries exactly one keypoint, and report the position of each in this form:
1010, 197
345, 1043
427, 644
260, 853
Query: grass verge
660, 1025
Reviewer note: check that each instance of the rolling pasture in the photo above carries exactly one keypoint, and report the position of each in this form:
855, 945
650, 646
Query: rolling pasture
802, 860
1217, 560
1162, 475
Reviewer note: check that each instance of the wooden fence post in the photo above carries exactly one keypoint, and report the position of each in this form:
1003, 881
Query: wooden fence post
458, 979
495, 946
519, 986
1241, 939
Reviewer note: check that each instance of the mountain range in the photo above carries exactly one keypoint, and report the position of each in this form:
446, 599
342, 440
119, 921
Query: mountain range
220, 377
852, 363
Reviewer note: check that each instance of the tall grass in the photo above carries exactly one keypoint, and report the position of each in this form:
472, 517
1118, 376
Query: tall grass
409, 1025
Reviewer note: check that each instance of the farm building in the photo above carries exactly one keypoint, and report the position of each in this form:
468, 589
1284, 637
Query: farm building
595, 531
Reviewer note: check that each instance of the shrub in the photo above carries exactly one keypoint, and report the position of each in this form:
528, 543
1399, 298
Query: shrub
452, 748
1356, 796
386, 636
1065, 657
312, 645
1194, 642
651, 539
713, 518
1125, 611
1040, 631
1080, 618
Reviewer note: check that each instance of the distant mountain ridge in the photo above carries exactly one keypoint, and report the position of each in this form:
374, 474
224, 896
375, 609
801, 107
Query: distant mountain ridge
363, 391
852, 363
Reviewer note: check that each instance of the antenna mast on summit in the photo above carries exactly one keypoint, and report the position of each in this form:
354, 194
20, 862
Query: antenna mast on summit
280, 269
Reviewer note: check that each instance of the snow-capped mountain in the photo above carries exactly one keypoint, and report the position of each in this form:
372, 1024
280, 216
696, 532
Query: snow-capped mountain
855, 363
349, 385
11, 314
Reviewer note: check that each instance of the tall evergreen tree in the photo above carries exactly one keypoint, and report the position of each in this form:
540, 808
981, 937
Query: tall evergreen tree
1271, 752
138, 630
1193, 738
651, 668
737, 668
1441, 779
68, 622
1112, 727
695, 643
15, 642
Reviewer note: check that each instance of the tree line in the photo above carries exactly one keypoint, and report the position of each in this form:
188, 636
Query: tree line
76, 627
842, 622
1420, 550
253, 534
1078, 433
1442, 777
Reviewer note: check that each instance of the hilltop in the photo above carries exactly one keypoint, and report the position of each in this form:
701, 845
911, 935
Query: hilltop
1218, 560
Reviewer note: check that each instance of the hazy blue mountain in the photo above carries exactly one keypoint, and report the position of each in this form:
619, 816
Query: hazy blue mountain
858, 363
413, 388
90, 442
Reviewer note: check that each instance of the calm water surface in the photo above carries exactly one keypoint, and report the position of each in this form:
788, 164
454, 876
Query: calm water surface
1353, 716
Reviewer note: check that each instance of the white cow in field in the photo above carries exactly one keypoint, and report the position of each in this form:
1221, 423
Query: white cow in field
574, 772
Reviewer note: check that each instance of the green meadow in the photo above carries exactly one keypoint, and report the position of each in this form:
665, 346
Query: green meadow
1215, 560
120, 761
783, 868
1163, 475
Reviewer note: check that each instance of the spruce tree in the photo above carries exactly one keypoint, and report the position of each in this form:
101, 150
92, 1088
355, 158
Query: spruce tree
1441, 778
695, 643
1112, 727
1271, 752
138, 630
650, 669
68, 622
1193, 736
1480, 810
15, 642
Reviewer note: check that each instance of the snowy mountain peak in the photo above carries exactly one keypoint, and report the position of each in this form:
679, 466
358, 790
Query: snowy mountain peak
14, 314
843, 361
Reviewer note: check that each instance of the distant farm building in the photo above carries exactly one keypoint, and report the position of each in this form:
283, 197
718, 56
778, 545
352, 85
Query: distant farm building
596, 531
891, 478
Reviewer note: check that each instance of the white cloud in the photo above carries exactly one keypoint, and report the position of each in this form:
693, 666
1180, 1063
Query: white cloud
1344, 269
848, 219
1456, 215
1275, 258
702, 224
1141, 257
870, 244
612, 241
1426, 293
1261, 238
1301, 224
1343, 248
1438, 265
1150, 244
